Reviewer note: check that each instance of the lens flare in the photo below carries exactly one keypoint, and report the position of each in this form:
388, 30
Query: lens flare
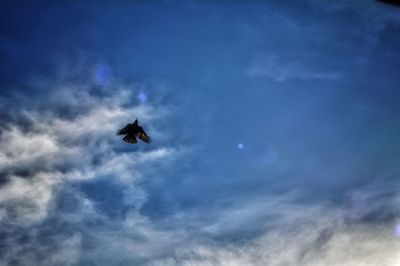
142, 97
397, 230
103, 75
240, 146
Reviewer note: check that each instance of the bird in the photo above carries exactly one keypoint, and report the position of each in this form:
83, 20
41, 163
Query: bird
133, 130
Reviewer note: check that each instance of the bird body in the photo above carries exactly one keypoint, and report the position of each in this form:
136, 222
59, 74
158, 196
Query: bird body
133, 131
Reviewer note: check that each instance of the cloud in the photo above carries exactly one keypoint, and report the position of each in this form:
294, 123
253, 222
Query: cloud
295, 235
26, 200
71, 193
357, 247
298, 235
43, 210
305, 46
50, 148
41, 157
280, 70
32, 251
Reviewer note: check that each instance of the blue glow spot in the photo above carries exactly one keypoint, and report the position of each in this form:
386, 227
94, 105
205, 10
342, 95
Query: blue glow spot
397, 230
240, 146
103, 75
142, 97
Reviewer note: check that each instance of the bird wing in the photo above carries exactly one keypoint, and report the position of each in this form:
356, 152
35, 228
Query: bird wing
124, 130
143, 136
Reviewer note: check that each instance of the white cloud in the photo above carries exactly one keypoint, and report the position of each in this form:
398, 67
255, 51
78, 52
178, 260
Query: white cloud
26, 200
300, 235
18, 149
56, 150
39, 163
63, 251
59, 150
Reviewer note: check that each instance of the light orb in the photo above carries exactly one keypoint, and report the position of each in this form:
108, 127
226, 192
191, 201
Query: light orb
103, 75
397, 230
142, 97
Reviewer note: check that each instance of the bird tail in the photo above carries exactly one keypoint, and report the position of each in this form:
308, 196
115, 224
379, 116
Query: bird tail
130, 139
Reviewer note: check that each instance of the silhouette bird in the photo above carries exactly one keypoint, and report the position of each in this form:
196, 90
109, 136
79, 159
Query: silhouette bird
133, 130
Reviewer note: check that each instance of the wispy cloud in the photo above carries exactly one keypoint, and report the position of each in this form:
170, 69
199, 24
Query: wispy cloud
57, 150
281, 70
72, 193
55, 145
40, 202
296, 235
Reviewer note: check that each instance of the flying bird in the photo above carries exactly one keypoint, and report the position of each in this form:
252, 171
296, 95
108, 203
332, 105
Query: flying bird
133, 130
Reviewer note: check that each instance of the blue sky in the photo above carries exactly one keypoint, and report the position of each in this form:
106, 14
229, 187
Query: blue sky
274, 126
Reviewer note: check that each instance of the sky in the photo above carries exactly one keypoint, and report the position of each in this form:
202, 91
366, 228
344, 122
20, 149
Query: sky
274, 125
